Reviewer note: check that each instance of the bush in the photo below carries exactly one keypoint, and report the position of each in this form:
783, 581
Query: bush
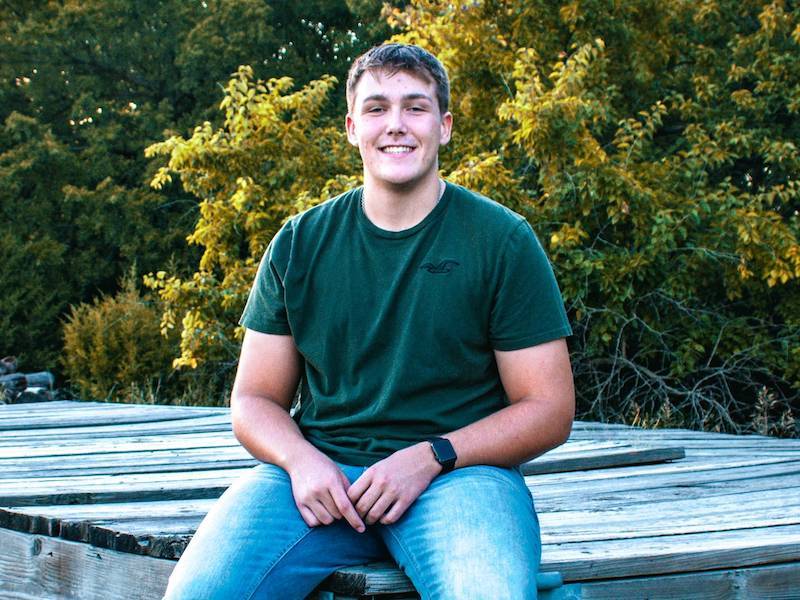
114, 349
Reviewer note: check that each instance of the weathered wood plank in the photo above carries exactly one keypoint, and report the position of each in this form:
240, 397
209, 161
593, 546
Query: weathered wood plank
115, 414
52, 514
673, 554
113, 488
703, 495
383, 578
44, 568
770, 582
682, 437
211, 483
200, 424
610, 499
578, 424
580, 457
685, 472
606, 492
764, 583
76, 447
197, 455
123, 527
616, 457
781, 582
153, 536
53, 406
60, 406
161, 528
756, 510
158, 461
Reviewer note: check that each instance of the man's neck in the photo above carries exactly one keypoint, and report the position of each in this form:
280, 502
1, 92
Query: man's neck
396, 208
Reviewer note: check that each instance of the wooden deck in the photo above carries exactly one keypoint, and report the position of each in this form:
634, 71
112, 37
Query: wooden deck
98, 500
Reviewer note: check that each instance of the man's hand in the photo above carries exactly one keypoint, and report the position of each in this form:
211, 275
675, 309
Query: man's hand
386, 489
319, 488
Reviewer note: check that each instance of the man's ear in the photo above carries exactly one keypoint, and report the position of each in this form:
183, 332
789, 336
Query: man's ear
447, 128
350, 126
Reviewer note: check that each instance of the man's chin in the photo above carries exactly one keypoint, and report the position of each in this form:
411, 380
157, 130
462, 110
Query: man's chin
401, 184
402, 180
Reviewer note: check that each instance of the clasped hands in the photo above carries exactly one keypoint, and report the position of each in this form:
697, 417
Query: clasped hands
381, 494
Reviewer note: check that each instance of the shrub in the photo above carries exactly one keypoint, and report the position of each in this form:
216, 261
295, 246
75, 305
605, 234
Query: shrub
114, 346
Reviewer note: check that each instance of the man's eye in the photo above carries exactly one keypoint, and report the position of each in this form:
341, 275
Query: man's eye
375, 109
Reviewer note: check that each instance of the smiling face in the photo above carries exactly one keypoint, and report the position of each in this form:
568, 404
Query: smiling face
396, 123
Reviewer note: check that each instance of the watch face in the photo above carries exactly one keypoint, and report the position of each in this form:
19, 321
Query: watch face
444, 452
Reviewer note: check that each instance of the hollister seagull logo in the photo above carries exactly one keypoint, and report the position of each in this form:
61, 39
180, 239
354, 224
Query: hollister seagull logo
444, 266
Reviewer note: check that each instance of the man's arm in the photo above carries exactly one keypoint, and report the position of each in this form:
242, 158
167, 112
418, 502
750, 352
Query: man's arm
538, 383
266, 380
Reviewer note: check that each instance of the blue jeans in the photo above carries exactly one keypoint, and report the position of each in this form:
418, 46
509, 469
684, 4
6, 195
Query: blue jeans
472, 534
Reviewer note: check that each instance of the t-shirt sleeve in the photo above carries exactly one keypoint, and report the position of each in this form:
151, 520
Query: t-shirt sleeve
528, 308
265, 310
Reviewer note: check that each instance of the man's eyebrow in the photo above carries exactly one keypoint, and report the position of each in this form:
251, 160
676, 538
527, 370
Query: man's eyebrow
417, 96
383, 98
375, 98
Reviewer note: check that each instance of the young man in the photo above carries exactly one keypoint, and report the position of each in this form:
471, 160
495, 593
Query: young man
427, 331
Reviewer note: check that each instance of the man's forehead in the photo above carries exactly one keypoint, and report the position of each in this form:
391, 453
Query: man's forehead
385, 82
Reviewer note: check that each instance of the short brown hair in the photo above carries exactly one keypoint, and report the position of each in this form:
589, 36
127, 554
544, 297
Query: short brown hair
392, 58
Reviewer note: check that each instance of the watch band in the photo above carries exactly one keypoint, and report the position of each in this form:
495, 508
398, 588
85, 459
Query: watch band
444, 453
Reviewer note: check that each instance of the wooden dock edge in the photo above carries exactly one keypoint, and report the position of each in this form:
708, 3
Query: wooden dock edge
46, 568
771, 581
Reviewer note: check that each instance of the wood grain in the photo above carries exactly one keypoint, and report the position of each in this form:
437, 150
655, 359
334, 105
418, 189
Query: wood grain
45, 568
625, 512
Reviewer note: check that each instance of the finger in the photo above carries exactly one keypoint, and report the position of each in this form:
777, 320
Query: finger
330, 505
378, 509
363, 493
308, 516
360, 485
394, 513
321, 512
346, 508
368, 500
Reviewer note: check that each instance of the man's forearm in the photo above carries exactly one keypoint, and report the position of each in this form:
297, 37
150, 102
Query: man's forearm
266, 431
511, 436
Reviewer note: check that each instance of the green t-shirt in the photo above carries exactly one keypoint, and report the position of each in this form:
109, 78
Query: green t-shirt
397, 329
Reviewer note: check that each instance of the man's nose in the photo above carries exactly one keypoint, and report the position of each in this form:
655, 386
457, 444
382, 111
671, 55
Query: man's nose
395, 123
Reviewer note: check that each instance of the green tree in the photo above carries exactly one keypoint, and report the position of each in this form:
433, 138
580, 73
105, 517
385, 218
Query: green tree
84, 88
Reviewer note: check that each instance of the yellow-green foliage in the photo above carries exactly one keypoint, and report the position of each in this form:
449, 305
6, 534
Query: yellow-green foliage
652, 145
655, 144
114, 345
271, 157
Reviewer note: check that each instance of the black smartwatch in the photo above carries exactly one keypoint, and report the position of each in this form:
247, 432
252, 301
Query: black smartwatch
444, 453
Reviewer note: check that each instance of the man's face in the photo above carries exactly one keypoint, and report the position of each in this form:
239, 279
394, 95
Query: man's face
396, 124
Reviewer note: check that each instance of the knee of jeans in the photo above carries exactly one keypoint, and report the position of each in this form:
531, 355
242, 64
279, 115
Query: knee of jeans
475, 580
182, 586
472, 569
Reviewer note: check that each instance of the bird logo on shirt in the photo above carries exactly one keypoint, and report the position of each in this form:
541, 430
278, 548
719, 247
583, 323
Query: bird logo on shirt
444, 266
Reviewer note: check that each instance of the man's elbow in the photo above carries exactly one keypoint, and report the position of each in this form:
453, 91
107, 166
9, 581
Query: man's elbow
564, 419
565, 430
239, 412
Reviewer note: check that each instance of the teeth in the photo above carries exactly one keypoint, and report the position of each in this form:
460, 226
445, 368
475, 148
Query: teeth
397, 149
